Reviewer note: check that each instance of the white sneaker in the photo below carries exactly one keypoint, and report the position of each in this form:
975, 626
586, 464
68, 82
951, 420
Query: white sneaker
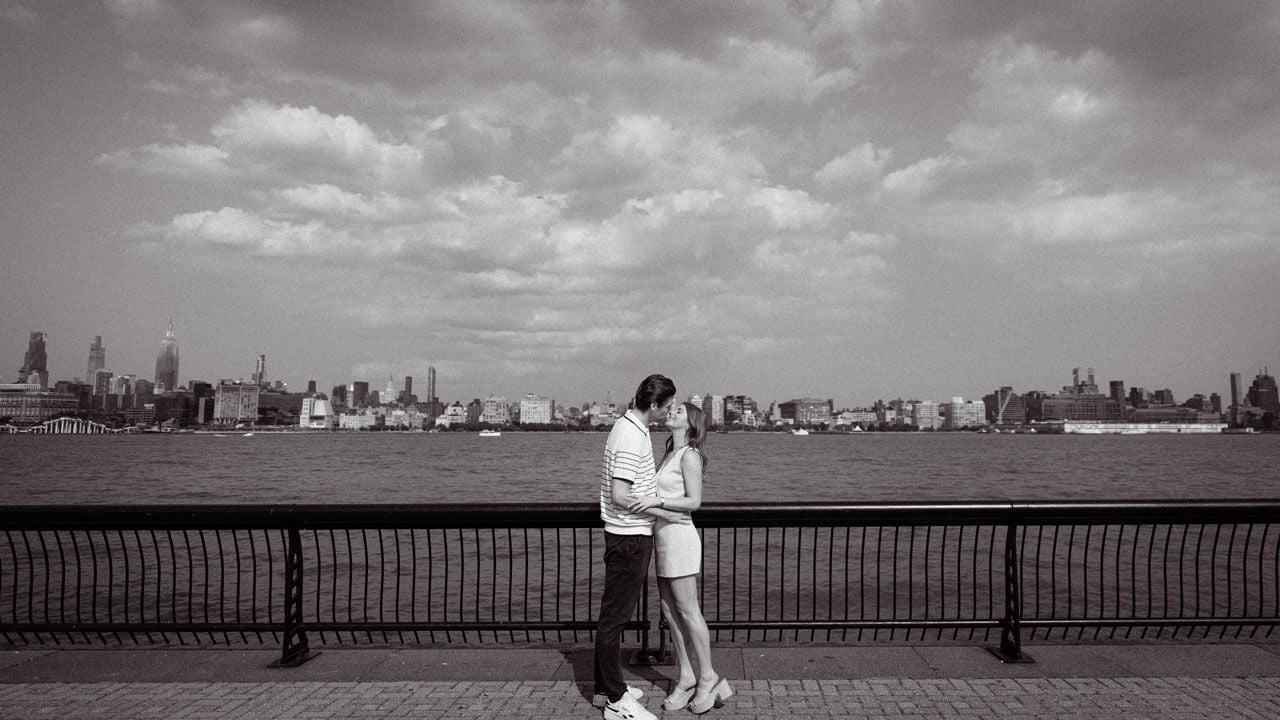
600, 699
628, 708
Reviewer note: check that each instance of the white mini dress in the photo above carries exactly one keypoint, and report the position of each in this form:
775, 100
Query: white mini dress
679, 547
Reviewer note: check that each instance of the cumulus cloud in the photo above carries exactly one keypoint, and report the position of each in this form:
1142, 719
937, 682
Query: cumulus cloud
257, 235
326, 200
187, 160
858, 168
303, 139
540, 182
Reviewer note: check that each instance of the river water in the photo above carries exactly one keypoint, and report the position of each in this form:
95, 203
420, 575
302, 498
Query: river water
563, 467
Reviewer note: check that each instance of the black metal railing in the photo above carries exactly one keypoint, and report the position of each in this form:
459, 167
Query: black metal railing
808, 572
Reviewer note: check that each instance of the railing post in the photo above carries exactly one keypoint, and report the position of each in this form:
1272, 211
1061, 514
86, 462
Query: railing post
1010, 650
294, 650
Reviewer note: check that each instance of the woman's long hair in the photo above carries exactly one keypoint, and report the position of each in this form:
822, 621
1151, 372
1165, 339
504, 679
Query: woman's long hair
695, 434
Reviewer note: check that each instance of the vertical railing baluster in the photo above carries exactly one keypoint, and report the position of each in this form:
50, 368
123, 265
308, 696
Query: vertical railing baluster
128, 580
844, 632
1102, 583
1213, 576
413, 581
813, 590
222, 583
294, 649
1262, 575
364, 592
62, 580
1198, 587
973, 573
253, 583
382, 582
1084, 582
957, 564
173, 583
238, 572
431, 579
1071, 543
1010, 650
991, 579
835, 593
1022, 545
1151, 554
191, 580
1039, 563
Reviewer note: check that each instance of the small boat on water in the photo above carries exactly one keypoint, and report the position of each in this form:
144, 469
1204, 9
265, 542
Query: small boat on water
799, 431
490, 433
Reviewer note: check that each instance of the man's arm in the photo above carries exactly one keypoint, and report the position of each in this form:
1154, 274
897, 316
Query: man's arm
620, 492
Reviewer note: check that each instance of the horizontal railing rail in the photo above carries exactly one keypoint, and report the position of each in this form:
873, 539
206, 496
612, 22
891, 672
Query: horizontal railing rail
772, 572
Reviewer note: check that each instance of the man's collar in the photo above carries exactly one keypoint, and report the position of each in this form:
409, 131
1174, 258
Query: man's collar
640, 419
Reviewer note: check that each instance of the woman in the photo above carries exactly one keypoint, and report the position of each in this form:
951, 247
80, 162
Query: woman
679, 552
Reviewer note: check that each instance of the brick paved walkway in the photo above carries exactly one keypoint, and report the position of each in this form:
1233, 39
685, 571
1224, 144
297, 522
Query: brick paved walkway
1076, 682
1014, 699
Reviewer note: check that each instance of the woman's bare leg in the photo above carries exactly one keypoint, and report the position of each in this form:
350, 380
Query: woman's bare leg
687, 678
683, 599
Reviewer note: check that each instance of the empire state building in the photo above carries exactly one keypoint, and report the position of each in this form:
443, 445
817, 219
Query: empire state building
167, 363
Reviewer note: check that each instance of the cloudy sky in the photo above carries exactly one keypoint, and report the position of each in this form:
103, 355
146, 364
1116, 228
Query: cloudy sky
848, 199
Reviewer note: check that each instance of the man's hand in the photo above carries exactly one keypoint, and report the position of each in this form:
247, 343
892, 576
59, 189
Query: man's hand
640, 503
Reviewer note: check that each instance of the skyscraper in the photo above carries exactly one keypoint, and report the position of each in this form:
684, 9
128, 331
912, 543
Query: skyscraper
35, 362
102, 382
1117, 391
1263, 393
167, 363
260, 372
97, 358
1236, 386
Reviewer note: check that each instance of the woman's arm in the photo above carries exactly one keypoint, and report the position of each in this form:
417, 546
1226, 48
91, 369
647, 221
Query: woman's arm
649, 504
691, 470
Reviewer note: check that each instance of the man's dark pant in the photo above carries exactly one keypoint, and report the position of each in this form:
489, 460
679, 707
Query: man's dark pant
626, 569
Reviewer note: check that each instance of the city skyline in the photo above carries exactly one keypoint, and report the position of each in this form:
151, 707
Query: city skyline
852, 200
169, 348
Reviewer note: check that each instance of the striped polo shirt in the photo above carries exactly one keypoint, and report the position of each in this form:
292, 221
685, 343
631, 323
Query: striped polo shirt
628, 454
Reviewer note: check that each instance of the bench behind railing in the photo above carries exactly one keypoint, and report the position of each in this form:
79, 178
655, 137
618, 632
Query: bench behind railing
811, 572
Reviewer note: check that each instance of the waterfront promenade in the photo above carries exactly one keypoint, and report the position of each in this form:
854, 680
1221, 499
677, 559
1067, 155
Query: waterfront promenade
1179, 681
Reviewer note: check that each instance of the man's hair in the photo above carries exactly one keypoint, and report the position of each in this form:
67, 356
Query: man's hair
654, 390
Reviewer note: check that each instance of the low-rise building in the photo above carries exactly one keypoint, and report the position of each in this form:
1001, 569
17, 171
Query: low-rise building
960, 414
30, 403
861, 417
496, 411
806, 412
235, 403
1005, 407
454, 414
537, 410
362, 419
317, 413
926, 415
1100, 408
409, 418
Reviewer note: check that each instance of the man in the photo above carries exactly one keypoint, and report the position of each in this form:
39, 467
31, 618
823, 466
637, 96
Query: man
628, 539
